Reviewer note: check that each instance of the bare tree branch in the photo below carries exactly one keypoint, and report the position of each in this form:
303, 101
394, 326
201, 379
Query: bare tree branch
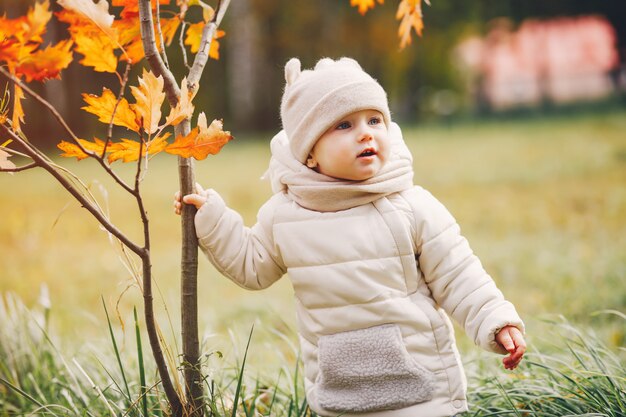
42, 162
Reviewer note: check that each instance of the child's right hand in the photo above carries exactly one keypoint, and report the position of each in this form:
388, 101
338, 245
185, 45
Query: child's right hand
197, 199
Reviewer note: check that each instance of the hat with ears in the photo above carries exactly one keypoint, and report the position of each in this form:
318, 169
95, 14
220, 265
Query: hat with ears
315, 99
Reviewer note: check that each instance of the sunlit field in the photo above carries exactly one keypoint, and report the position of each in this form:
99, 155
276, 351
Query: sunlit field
542, 202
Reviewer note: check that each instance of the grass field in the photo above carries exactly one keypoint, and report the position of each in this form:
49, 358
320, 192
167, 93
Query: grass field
542, 202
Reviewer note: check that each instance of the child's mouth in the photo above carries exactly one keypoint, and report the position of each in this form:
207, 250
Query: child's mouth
367, 152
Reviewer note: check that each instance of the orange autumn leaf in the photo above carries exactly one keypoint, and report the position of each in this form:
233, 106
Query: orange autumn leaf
149, 97
131, 7
364, 5
47, 63
214, 52
128, 150
103, 106
71, 150
410, 15
97, 47
201, 141
129, 36
184, 108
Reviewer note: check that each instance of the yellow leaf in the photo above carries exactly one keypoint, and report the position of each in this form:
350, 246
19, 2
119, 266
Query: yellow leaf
184, 108
97, 12
128, 150
98, 51
104, 105
201, 141
149, 96
71, 150
194, 36
364, 5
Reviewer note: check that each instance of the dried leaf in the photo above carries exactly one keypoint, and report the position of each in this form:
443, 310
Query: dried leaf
410, 15
4, 162
97, 12
36, 20
103, 106
149, 96
184, 108
128, 150
71, 150
201, 141
47, 63
364, 5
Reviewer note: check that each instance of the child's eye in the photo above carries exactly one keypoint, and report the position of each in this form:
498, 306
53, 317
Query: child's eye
375, 120
343, 125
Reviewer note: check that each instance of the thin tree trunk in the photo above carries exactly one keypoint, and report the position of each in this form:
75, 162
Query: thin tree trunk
189, 257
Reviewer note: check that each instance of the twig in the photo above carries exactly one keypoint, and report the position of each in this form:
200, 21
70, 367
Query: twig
182, 45
119, 99
160, 32
18, 169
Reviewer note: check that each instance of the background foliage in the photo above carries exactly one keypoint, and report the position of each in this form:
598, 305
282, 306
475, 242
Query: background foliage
261, 35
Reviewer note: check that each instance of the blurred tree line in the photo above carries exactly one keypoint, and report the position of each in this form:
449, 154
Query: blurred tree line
245, 86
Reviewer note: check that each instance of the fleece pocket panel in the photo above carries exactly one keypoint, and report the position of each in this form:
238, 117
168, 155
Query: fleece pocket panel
369, 370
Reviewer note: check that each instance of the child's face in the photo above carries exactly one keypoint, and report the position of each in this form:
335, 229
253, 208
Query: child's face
354, 148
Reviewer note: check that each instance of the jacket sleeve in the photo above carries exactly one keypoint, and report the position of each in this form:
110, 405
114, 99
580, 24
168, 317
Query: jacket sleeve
246, 255
455, 276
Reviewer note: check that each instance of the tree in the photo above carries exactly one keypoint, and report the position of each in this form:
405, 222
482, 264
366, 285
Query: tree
106, 43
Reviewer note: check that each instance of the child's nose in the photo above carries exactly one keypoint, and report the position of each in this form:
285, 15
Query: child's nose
365, 135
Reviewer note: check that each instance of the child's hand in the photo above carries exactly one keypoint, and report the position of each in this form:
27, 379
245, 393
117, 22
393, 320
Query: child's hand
197, 199
511, 338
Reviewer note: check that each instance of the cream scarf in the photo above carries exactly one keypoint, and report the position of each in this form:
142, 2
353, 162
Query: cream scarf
320, 192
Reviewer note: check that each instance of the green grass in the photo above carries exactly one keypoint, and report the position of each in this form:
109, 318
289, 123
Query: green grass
577, 375
542, 202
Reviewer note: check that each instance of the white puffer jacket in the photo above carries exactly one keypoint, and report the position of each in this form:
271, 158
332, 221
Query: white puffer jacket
371, 284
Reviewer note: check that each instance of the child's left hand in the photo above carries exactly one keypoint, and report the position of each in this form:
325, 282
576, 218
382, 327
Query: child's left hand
511, 339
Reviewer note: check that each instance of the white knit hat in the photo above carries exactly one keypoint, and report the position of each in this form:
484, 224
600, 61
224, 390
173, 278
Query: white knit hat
314, 100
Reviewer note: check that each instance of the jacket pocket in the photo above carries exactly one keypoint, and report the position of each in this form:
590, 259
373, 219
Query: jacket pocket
370, 370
